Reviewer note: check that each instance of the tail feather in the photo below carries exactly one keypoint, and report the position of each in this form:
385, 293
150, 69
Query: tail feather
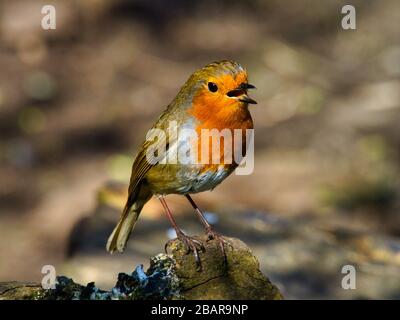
120, 235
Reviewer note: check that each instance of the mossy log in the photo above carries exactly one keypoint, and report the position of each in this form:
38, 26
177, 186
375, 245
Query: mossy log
170, 276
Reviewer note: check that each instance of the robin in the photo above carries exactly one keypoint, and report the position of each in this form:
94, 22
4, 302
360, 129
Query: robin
214, 97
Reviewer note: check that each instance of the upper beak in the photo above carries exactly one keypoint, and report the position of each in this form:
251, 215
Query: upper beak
248, 86
241, 93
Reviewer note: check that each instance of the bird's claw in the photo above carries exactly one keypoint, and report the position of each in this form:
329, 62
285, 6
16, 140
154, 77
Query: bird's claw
191, 245
212, 235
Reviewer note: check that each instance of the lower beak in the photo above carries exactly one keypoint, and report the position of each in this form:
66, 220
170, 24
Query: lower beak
247, 99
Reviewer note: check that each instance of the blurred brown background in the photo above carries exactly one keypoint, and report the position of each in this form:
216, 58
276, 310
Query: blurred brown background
76, 101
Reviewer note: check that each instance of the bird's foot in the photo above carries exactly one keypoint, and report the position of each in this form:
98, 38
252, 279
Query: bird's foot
191, 244
212, 235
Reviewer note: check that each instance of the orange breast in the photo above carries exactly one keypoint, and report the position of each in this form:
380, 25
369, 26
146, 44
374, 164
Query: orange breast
219, 121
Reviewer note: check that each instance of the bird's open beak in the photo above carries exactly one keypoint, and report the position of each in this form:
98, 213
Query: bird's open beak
247, 99
241, 93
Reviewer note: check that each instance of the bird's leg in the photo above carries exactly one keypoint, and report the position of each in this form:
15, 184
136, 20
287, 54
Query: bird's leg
211, 234
190, 243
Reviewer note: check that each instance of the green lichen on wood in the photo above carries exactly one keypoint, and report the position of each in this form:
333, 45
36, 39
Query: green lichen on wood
21, 291
240, 278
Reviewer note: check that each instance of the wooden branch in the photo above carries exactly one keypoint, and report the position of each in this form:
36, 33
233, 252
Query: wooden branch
172, 276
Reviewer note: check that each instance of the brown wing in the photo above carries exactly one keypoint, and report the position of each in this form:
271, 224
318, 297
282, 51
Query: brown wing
141, 165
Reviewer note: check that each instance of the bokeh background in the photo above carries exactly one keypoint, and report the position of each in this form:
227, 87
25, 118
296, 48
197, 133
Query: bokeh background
75, 102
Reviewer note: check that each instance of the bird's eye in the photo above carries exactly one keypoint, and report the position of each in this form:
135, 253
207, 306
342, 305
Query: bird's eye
212, 87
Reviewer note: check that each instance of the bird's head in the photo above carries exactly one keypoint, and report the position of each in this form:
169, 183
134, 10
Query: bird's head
223, 82
218, 86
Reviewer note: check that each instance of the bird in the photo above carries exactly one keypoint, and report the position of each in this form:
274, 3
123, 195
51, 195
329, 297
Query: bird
215, 97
